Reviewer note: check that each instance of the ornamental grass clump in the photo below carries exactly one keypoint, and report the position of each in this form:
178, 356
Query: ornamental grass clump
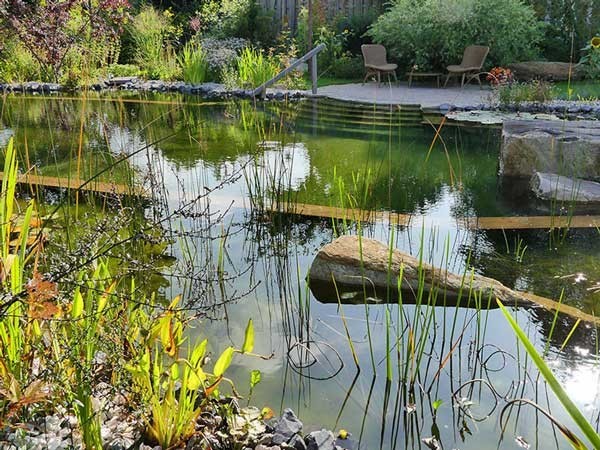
193, 63
254, 68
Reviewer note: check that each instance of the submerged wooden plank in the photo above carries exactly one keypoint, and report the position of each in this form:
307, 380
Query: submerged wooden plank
531, 222
330, 212
100, 187
470, 223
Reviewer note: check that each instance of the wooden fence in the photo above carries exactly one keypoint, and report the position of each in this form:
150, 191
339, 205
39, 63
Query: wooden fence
286, 11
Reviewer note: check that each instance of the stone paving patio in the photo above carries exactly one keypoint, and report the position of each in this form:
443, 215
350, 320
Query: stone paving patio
396, 94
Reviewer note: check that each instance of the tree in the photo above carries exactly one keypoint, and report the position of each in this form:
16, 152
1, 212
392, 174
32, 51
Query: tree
50, 28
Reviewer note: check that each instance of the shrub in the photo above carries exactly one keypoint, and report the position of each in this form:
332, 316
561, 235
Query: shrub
285, 53
18, 64
222, 53
348, 67
50, 29
192, 61
432, 34
323, 33
237, 18
123, 70
319, 22
354, 28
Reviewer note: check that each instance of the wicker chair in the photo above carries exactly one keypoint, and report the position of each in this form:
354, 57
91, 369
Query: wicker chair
471, 65
376, 62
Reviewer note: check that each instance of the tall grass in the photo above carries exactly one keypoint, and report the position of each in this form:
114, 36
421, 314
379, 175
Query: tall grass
151, 32
254, 68
193, 63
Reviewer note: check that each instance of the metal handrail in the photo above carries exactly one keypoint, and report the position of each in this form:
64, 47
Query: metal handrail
312, 55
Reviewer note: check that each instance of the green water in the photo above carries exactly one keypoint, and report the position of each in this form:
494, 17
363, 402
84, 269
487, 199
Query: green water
206, 162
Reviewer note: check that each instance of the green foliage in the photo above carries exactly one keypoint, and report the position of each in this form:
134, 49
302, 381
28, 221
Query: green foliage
354, 28
284, 54
590, 60
348, 67
569, 26
537, 91
123, 70
238, 18
433, 34
193, 63
17, 64
323, 33
254, 68
302, 27
153, 35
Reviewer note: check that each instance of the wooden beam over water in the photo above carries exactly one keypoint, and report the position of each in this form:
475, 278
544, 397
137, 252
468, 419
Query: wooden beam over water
470, 223
330, 212
99, 187
531, 222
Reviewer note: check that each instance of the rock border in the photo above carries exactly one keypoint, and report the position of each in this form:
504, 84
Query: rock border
209, 91
564, 109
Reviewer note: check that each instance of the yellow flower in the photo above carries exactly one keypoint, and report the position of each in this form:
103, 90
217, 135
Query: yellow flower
595, 42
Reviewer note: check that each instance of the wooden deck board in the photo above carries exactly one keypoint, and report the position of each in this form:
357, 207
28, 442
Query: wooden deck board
101, 187
471, 223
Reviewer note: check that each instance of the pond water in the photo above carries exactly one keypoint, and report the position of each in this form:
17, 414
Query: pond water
215, 167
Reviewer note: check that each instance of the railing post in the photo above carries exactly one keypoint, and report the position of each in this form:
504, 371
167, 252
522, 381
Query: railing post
313, 73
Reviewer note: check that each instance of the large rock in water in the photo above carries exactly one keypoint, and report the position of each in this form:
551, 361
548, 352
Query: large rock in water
570, 148
545, 70
549, 186
355, 262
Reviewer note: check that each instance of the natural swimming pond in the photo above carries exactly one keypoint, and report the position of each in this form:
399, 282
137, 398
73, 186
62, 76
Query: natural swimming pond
215, 170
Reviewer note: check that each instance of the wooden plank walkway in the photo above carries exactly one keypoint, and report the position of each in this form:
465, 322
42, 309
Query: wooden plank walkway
99, 187
470, 223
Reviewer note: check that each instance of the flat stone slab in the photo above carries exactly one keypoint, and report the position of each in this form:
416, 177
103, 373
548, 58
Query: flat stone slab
570, 148
549, 186
401, 94
119, 81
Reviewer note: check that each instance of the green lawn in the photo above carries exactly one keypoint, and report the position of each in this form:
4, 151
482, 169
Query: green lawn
580, 90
